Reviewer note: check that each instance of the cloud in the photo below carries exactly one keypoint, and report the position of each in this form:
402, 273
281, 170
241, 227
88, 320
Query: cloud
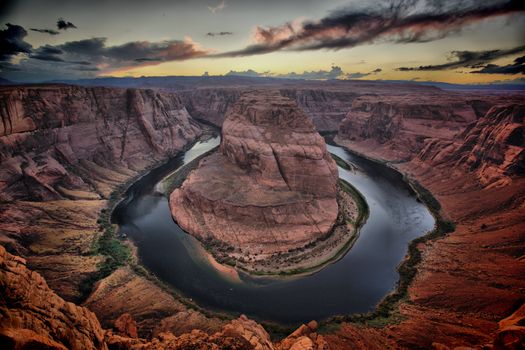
212, 34
135, 53
517, 67
12, 42
62, 24
88, 55
218, 8
45, 31
404, 21
359, 75
468, 59
247, 73
335, 72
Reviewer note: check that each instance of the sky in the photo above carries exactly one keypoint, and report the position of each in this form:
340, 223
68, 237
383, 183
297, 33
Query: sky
454, 41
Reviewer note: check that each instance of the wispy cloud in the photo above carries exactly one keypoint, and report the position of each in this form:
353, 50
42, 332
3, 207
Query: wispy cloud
45, 31
212, 34
517, 67
403, 21
218, 8
467, 59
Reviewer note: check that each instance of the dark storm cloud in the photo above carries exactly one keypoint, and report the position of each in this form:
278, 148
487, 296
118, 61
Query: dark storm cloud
518, 67
62, 24
403, 21
212, 34
45, 31
467, 59
12, 42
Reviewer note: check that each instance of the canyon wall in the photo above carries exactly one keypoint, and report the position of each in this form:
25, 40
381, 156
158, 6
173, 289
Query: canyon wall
64, 141
63, 150
270, 188
471, 278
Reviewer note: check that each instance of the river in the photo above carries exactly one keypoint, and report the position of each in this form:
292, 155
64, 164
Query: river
353, 284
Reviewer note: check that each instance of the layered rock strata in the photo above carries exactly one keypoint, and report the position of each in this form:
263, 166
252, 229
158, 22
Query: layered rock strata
270, 188
473, 277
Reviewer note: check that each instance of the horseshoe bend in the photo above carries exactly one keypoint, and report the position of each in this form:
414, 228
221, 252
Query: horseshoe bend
270, 193
275, 175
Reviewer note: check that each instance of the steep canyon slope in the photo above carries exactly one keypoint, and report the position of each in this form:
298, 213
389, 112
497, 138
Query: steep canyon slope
473, 277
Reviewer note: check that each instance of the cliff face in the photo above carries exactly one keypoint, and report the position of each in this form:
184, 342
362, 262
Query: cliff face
271, 187
403, 122
64, 141
34, 317
210, 105
493, 147
327, 108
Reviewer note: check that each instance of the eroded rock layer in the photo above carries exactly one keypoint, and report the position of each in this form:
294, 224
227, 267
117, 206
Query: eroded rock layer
272, 185
472, 277
34, 317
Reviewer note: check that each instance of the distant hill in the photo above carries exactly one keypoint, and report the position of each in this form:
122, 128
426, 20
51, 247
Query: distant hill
191, 82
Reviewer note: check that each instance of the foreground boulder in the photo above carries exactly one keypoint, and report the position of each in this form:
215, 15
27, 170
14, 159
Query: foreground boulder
270, 188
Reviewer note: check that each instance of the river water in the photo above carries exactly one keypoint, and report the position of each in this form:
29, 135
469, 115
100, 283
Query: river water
354, 284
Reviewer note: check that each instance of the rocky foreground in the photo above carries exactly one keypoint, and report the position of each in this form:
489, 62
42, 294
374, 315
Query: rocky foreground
271, 187
63, 149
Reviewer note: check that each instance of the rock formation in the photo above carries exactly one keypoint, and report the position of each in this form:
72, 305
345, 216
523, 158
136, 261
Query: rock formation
493, 147
65, 141
34, 317
270, 188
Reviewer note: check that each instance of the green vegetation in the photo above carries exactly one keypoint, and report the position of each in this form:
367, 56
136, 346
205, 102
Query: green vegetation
387, 311
362, 206
115, 252
342, 163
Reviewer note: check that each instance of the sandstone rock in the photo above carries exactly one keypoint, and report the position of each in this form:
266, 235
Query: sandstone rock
126, 326
511, 333
304, 338
271, 187
102, 134
33, 316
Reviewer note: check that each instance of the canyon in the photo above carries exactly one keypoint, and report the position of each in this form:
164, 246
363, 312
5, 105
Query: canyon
67, 152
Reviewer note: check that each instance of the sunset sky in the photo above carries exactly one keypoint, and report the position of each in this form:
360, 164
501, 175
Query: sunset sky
434, 40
